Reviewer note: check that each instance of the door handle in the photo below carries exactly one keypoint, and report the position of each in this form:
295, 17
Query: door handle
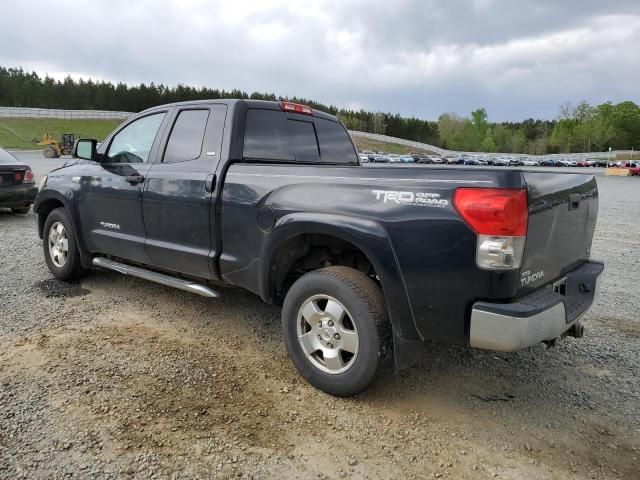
134, 179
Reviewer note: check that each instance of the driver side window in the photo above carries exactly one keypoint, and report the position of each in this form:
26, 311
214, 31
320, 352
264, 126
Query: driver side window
133, 143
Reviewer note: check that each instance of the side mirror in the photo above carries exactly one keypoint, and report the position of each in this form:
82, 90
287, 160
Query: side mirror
85, 149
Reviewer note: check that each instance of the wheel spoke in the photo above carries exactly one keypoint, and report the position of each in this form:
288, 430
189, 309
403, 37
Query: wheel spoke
311, 313
334, 310
333, 359
328, 338
60, 229
309, 342
349, 341
65, 245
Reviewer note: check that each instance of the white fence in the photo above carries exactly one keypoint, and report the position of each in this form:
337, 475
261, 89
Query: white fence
442, 151
400, 141
18, 112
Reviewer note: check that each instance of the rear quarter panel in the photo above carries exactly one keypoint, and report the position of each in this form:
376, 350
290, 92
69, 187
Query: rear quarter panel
432, 249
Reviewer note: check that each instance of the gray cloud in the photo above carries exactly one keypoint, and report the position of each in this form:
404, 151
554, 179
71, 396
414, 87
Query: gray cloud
516, 58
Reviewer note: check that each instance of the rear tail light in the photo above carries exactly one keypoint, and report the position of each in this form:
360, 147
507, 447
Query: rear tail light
296, 108
24, 176
500, 218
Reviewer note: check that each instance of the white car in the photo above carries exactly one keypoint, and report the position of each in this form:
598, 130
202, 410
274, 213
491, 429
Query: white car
530, 163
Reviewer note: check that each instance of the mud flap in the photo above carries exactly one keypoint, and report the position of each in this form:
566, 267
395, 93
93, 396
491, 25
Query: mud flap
406, 353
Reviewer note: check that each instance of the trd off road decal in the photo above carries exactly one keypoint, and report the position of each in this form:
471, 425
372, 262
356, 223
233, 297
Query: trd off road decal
420, 199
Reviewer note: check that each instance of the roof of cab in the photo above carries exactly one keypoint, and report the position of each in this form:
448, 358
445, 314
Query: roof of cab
239, 103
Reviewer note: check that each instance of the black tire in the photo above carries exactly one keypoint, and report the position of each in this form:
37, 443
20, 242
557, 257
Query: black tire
21, 210
50, 152
364, 301
72, 268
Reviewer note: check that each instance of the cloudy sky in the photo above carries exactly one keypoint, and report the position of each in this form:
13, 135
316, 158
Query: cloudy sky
517, 58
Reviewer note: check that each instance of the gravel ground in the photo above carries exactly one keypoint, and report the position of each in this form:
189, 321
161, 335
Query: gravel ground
115, 377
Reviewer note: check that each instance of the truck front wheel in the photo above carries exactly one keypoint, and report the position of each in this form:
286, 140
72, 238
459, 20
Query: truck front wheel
336, 329
59, 243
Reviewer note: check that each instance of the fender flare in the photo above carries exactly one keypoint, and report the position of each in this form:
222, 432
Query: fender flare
368, 236
67, 200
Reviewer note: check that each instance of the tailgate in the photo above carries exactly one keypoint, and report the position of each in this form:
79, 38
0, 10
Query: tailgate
563, 208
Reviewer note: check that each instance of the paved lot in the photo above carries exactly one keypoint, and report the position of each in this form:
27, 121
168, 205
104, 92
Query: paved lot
115, 377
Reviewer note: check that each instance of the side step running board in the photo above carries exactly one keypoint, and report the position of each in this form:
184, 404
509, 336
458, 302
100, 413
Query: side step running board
168, 280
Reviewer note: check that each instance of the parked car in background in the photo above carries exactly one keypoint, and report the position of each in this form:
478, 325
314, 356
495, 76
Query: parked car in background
530, 163
563, 162
407, 159
501, 161
17, 185
425, 160
436, 159
363, 158
548, 162
379, 159
450, 160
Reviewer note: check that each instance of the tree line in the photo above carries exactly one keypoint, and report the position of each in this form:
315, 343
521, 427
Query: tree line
580, 128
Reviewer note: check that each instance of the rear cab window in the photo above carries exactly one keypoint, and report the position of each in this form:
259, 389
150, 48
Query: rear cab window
289, 137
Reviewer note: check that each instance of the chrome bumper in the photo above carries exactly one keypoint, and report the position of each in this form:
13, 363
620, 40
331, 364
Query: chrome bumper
540, 316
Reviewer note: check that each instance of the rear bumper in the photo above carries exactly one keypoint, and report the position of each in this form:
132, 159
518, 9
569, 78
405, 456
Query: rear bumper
536, 317
18, 196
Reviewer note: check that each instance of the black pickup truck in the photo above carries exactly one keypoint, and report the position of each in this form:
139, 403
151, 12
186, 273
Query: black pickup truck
366, 260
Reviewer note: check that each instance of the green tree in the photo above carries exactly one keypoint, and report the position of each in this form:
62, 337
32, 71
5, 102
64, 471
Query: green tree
488, 143
479, 118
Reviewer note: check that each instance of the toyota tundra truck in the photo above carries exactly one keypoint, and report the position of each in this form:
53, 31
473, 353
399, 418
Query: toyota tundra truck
366, 261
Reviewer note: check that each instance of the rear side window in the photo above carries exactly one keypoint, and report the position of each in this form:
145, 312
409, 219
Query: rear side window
272, 135
187, 135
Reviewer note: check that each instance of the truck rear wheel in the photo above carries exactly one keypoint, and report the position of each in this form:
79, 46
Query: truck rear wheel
60, 249
336, 329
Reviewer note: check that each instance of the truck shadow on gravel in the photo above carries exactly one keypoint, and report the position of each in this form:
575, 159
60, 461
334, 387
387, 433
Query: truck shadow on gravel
53, 288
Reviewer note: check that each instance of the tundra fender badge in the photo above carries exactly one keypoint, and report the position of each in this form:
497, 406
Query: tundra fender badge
420, 199
112, 226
